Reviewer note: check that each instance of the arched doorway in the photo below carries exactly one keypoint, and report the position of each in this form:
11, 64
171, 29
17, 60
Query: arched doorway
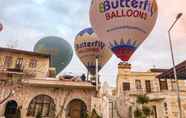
11, 109
76, 109
41, 106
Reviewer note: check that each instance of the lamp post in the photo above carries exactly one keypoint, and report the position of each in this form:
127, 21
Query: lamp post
97, 74
174, 67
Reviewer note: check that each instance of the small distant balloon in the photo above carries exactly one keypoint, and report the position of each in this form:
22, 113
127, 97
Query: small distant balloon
123, 24
1, 27
60, 50
88, 47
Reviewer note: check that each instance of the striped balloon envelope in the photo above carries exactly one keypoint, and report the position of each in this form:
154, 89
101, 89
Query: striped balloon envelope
88, 47
123, 24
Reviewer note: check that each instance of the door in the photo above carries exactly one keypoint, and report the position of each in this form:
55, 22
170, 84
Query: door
11, 109
76, 109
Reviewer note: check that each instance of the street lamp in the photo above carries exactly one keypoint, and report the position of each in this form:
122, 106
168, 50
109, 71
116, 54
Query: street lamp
174, 67
97, 74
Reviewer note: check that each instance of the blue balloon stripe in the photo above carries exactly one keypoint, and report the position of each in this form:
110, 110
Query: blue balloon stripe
123, 46
87, 30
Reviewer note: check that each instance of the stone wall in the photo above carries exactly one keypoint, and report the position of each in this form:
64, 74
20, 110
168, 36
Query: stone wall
61, 96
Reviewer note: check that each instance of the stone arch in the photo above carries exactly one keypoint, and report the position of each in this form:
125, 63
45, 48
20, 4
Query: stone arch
30, 98
41, 105
76, 108
11, 109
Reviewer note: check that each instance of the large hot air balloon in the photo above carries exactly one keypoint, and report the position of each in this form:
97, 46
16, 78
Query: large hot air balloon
60, 50
88, 47
123, 24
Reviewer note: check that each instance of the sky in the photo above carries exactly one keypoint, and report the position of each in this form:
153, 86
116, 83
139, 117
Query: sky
27, 21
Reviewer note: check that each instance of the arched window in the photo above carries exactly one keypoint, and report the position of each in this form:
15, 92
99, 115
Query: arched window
11, 109
76, 109
41, 105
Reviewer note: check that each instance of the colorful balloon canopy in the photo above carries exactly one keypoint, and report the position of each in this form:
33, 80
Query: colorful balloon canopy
60, 50
88, 47
123, 24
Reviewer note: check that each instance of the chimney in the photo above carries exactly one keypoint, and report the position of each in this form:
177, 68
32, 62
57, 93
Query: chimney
52, 72
124, 67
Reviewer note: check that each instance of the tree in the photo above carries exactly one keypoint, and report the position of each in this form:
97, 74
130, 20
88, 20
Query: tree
142, 110
39, 115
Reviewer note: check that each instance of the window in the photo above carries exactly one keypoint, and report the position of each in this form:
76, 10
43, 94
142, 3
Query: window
148, 86
163, 84
166, 108
76, 109
126, 86
8, 61
33, 63
43, 105
11, 109
138, 84
19, 63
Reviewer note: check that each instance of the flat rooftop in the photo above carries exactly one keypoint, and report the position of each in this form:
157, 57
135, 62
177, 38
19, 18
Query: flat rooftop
18, 51
56, 83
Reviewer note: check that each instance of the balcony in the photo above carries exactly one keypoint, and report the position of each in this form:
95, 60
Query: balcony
16, 71
53, 82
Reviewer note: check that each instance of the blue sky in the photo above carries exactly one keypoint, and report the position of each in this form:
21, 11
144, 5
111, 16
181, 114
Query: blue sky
27, 21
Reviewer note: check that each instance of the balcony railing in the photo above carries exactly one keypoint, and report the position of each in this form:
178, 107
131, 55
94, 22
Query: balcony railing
18, 71
11, 71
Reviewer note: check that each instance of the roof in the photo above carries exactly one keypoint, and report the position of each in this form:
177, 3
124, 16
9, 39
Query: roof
57, 83
24, 52
180, 69
158, 70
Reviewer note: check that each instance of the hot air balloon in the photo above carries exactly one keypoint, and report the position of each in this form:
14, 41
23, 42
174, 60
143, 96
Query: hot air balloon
123, 24
88, 48
1, 27
60, 50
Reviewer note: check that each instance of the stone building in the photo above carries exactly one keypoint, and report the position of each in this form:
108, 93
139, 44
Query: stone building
29, 89
157, 84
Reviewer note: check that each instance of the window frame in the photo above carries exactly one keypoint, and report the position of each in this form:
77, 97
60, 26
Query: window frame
8, 61
33, 63
138, 84
163, 83
39, 103
126, 86
19, 63
148, 86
